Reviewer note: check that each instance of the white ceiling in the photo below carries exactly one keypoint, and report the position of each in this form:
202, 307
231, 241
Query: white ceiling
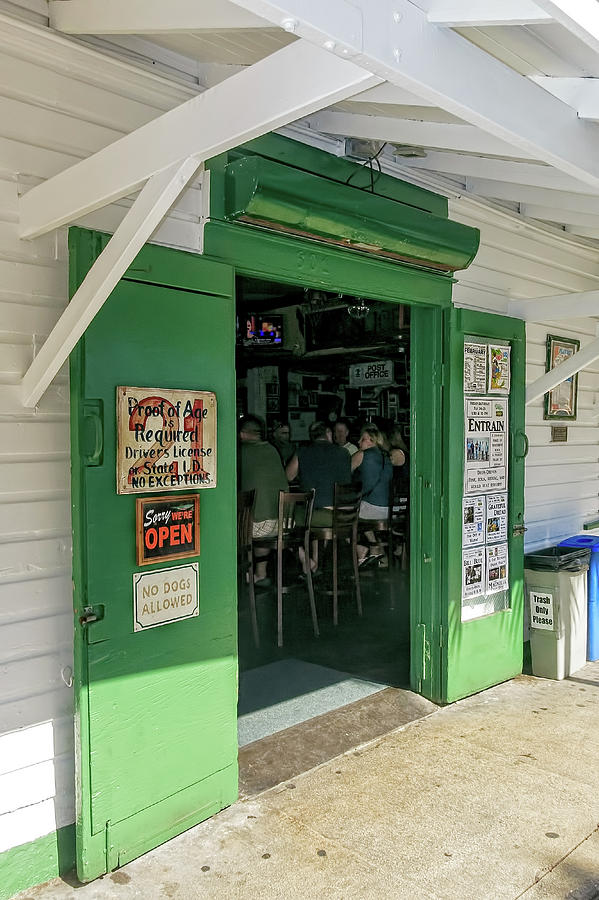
548, 54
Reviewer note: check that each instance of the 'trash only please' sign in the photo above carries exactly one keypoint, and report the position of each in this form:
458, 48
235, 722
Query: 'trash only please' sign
166, 440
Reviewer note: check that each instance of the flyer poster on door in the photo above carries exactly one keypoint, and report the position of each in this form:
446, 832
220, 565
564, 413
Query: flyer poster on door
166, 440
499, 369
475, 368
496, 527
473, 521
473, 572
485, 450
497, 573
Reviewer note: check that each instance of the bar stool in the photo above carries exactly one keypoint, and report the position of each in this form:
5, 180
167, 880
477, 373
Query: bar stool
344, 525
293, 532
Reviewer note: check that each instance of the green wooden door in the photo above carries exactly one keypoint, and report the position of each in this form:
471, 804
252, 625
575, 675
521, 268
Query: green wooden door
482, 636
156, 709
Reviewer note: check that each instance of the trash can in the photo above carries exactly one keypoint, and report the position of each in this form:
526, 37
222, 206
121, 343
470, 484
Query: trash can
590, 542
556, 588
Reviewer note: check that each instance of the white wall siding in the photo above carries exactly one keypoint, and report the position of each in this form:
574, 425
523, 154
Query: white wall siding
518, 261
59, 102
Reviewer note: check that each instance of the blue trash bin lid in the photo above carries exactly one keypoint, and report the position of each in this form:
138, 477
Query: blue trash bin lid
589, 541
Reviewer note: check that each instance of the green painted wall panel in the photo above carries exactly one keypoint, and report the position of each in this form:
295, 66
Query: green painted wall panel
37, 862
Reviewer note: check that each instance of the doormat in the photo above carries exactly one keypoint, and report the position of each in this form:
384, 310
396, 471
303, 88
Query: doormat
285, 693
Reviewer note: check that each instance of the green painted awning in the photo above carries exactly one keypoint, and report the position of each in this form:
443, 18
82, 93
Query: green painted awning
264, 193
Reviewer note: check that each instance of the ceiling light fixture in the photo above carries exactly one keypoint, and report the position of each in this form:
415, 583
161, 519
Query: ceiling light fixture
358, 310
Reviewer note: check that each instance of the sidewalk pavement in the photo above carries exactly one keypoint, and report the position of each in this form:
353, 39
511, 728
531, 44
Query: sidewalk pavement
493, 797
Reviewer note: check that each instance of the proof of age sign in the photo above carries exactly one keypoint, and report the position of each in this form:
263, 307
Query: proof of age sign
166, 440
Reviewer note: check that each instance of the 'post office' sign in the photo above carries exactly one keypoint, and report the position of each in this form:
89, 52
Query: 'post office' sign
373, 374
166, 440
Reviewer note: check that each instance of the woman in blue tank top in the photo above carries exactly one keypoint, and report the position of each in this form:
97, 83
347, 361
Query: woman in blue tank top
372, 467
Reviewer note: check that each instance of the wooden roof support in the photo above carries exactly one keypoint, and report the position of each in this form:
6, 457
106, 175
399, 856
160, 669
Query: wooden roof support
562, 306
397, 42
142, 219
570, 367
293, 82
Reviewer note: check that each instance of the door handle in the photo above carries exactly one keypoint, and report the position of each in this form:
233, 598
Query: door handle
92, 432
519, 530
524, 437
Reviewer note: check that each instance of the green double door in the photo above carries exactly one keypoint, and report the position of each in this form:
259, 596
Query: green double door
156, 740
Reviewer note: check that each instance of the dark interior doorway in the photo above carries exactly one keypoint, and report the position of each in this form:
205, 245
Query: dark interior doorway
305, 355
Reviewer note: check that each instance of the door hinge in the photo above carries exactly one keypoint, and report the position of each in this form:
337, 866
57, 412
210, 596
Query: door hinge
441, 636
112, 856
519, 530
424, 654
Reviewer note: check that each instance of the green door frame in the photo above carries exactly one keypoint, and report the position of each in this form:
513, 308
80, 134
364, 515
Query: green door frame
292, 260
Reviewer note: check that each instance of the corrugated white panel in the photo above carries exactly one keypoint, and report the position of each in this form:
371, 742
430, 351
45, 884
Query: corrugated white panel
517, 260
59, 102
562, 479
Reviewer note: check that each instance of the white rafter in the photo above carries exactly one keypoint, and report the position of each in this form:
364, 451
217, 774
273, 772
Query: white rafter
147, 16
398, 43
580, 17
582, 94
565, 370
294, 81
154, 201
582, 231
499, 170
559, 216
518, 193
389, 94
408, 131
481, 13
563, 306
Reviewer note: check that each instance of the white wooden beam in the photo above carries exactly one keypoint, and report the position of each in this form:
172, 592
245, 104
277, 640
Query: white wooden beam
570, 367
560, 216
148, 16
520, 193
580, 17
536, 175
156, 198
442, 135
292, 82
481, 13
582, 94
400, 45
583, 231
563, 306
389, 94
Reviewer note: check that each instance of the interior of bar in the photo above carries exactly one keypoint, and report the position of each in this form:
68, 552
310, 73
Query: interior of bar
323, 404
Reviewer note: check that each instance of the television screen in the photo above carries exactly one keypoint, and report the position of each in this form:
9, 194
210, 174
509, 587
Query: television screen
263, 330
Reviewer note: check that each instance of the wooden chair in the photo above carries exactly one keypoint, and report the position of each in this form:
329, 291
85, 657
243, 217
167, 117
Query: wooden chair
344, 525
293, 532
399, 523
245, 553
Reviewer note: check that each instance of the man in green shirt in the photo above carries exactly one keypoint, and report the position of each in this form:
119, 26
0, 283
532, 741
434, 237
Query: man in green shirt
261, 470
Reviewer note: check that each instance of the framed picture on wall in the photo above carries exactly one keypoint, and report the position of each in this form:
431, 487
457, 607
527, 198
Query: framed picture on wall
560, 403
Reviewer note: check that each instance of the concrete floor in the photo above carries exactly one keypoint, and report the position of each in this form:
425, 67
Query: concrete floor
492, 797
